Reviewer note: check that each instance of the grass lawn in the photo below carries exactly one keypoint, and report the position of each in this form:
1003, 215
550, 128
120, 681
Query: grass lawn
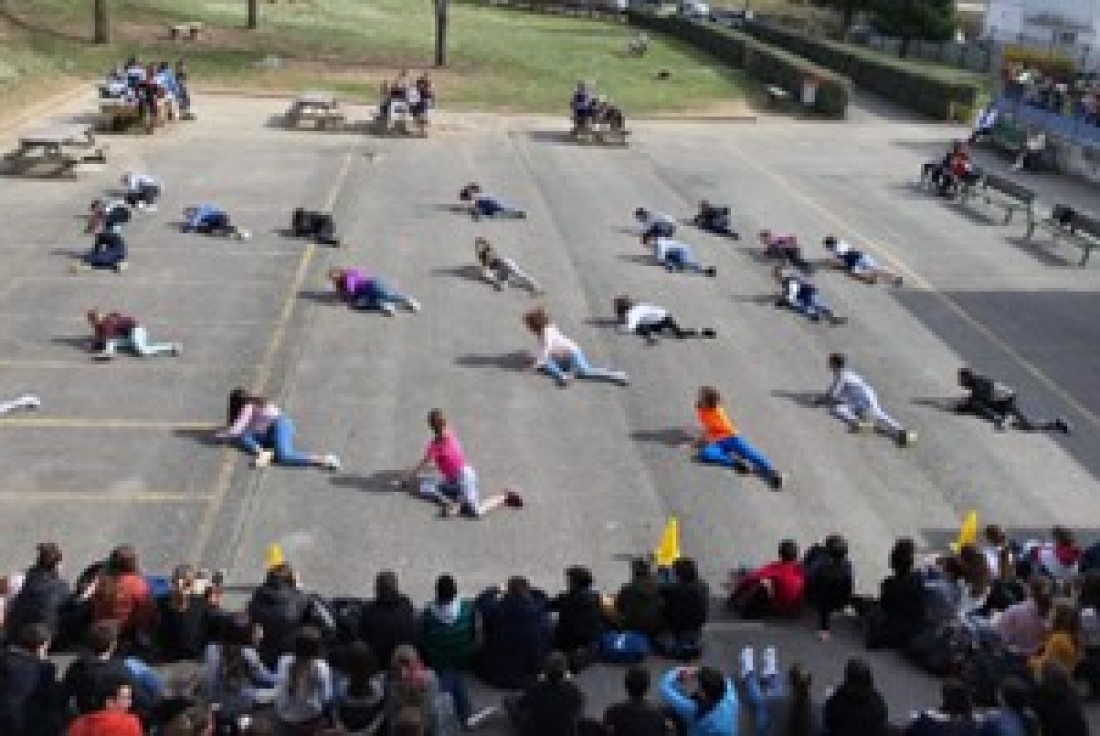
499, 59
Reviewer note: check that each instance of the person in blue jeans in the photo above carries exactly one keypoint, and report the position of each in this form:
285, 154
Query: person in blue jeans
559, 357
265, 432
803, 297
777, 706
486, 205
720, 443
674, 255
703, 699
363, 291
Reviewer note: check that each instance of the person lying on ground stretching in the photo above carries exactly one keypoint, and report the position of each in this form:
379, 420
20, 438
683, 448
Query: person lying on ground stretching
486, 205
28, 402
719, 442
996, 402
454, 488
501, 271
142, 190
803, 297
675, 256
363, 291
648, 320
267, 434
559, 357
852, 400
655, 223
114, 330
784, 247
858, 264
210, 219
715, 219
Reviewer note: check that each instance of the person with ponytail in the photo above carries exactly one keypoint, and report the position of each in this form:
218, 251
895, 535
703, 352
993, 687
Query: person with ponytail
264, 431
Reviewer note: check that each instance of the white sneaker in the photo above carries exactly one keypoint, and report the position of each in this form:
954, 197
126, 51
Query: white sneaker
414, 305
387, 309
263, 459
177, 349
30, 402
770, 662
747, 665
330, 462
141, 205
150, 208
621, 378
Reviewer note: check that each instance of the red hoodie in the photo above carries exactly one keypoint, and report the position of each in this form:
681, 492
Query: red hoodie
788, 582
105, 723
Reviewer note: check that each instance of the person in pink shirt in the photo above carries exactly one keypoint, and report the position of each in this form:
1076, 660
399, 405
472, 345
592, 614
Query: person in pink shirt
266, 433
1023, 627
454, 488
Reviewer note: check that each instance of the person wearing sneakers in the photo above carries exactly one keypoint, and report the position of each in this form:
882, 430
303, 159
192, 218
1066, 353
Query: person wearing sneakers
366, 292
675, 256
501, 271
486, 205
996, 402
761, 684
655, 223
858, 264
852, 400
648, 321
559, 357
210, 219
720, 443
142, 190
114, 330
24, 402
265, 432
454, 488
803, 297
784, 247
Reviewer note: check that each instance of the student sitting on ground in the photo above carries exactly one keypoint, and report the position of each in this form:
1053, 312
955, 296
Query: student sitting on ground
607, 116
775, 589
675, 256
655, 223
829, 581
581, 105
362, 291
485, 205
114, 331
636, 716
106, 215
267, 434
142, 190
996, 402
858, 264
648, 321
559, 357
803, 297
785, 248
210, 219
852, 400
455, 486
501, 271
425, 98
715, 219
109, 248
720, 443
703, 700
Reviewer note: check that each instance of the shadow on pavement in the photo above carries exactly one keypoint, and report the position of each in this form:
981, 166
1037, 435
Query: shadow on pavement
517, 360
383, 481
669, 437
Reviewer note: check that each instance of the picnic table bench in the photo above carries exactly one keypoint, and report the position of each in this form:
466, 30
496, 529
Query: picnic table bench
1078, 228
600, 134
321, 108
999, 192
59, 149
191, 30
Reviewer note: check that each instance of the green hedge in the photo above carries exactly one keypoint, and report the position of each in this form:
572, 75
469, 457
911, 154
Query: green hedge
766, 63
922, 88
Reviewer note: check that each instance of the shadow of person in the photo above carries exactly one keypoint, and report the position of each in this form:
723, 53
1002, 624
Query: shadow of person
604, 322
517, 360
457, 209
82, 343
383, 481
669, 436
469, 272
640, 258
764, 300
807, 399
942, 403
319, 296
204, 437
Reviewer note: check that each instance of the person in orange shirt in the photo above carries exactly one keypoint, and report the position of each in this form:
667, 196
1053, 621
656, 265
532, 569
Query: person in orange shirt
114, 718
720, 443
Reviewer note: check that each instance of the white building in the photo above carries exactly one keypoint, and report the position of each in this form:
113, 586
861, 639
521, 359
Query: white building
1062, 24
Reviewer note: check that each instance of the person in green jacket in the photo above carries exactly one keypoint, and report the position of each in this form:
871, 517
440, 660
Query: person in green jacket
448, 634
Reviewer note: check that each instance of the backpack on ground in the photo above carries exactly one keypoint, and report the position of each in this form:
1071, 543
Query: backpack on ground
624, 647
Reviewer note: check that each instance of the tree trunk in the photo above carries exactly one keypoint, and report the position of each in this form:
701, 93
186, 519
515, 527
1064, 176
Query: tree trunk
102, 22
440, 33
903, 50
253, 14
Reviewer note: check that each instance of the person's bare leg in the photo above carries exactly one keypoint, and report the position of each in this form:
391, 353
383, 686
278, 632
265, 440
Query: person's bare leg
490, 504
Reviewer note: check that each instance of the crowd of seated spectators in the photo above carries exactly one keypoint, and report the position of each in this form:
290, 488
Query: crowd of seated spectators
1077, 98
157, 91
1012, 627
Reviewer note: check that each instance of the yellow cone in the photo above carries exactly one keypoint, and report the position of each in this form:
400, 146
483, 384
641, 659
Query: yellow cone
273, 556
668, 549
968, 532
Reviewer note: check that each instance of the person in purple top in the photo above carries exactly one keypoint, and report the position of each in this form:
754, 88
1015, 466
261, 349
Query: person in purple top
363, 291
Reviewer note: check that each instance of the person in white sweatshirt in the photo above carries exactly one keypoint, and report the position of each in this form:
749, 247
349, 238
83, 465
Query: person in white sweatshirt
854, 401
559, 357
142, 190
650, 320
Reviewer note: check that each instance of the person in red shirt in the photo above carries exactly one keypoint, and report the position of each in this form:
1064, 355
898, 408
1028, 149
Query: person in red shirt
114, 719
122, 595
776, 589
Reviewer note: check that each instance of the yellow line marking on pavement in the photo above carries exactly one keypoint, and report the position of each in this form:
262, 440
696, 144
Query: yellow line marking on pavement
264, 368
123, 363
93, 423
912, 276
38, 496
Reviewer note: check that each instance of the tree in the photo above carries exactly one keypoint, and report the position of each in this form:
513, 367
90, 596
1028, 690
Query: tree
101, 19
931, 20
846, 8
253, 14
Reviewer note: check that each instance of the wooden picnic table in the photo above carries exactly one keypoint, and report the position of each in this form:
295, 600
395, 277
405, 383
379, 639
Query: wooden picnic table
60, 147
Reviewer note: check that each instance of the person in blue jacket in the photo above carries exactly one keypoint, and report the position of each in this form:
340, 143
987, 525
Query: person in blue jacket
703, 699
211, 219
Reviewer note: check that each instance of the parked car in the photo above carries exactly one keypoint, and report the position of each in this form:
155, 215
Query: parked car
694, 9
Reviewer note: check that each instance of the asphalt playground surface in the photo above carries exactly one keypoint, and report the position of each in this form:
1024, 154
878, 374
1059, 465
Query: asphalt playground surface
121, 452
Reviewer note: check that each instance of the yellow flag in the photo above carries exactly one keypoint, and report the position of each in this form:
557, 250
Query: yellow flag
273, 556
968, 532
668, 549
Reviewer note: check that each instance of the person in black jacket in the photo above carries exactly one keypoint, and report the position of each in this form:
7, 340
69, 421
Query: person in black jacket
185, 620
686, 601
43, 597
280, 608
388, 620
639, 605
83, 685
901, 599
29, 702
856, 708
1057, 705
580, 617
516, 631
551, 706
636, 716
996, 402
829, 581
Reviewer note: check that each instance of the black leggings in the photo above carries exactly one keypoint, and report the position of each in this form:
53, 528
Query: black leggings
668, 323
1000, 410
